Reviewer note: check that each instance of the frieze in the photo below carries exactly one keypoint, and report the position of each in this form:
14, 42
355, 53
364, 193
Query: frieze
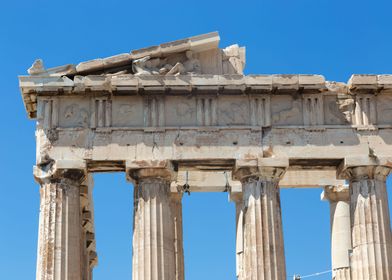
265, 110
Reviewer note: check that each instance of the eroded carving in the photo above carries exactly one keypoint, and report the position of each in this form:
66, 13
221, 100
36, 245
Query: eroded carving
346, 107
233, 60
76, 115
234, 113
292, 112
159, 66
37, 67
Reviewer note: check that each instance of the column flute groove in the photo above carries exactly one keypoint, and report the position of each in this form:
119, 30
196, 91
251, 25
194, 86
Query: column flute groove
370, 222
60, 229
263, 252
154, 235
339, 199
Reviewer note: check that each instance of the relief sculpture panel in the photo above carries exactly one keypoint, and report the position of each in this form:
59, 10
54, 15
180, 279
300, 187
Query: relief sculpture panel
233, 111
74, 112
384, 109
127, 112
286, 110
333, 111
180, 111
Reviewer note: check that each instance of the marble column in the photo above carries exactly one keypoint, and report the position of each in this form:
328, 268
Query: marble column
339, 199
89, 256
176, 209
154, 250
263, 249
370, 223
59, 243
239, 247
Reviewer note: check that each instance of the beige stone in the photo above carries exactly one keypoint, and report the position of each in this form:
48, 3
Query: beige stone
176, 211
371, 229
154, 242
263, 249
341, 247
181, 117
60, 236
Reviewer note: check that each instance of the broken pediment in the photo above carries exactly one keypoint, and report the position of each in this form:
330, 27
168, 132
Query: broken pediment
196, 55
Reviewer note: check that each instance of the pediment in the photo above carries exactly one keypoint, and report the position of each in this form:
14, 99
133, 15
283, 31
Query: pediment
194, 55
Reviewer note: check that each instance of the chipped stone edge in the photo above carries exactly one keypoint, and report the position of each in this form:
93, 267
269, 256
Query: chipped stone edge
32, 86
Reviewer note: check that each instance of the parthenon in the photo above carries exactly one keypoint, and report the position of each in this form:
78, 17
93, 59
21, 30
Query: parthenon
182, 117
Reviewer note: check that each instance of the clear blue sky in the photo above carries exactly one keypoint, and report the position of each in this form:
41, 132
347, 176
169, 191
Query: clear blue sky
329, 37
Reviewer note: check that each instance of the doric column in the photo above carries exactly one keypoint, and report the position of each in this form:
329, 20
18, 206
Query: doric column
176, 210
370, 222
239, 247
89, 255
59, 243
154, 250
263, 249
339, 199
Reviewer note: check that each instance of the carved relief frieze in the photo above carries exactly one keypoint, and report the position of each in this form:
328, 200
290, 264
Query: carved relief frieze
336, 111
233, 111
127, 112
180, 111
286, 110
74, 112
384, 109
261, 110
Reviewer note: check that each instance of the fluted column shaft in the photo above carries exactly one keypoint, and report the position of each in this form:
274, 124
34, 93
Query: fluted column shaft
239, 248
263, 249
176, 209
371, 230
59, 243
339, 197
89, 255
153, 235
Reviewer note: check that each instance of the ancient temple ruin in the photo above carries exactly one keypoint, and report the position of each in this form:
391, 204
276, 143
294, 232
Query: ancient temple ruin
182, 117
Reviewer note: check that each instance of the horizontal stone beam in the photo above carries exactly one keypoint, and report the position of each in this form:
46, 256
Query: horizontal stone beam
200, 181
127, 84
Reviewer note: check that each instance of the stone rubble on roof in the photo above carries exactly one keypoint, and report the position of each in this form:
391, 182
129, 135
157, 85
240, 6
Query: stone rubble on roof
195, 55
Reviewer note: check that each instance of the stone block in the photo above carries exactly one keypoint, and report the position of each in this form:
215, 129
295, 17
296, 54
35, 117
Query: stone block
204, 42
90, 66
311, 81
385, 81
358, 82
285, 82
117, 60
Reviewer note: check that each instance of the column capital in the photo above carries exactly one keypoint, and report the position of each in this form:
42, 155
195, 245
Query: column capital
356, 173
52, 170
153, 169
265, 168
336, 193
364, 167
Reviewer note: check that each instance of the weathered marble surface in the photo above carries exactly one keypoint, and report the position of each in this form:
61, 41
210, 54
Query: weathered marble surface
371, 256
182, 117
154, 236
60, 235
262, 255
339, 198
